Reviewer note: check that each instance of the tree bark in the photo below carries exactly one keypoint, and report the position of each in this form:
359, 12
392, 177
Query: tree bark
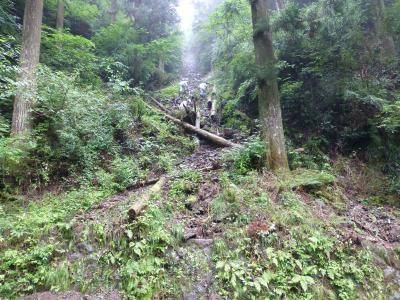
161, 65
60, 15
142, 204
279, 5
268, 94
113, 11
29, 60
386, 39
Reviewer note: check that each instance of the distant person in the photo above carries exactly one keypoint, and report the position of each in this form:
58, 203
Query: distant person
203, 90
211, 98
183, 87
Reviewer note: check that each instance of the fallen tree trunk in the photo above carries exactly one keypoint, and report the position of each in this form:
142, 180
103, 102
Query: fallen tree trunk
136, 209
141, 205
201, 132
143, 183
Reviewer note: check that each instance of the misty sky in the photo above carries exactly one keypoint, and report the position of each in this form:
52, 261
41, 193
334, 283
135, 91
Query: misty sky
186, 13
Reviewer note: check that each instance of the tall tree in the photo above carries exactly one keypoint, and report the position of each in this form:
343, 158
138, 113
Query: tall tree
268, 93
60, 15
29, 60
382, 31
113, 10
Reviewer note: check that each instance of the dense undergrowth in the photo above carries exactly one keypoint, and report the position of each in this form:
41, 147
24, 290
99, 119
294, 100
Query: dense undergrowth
270, 242
35, 233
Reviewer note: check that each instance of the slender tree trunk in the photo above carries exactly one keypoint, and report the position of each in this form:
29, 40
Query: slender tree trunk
268, 94
113, 11
279, 5
60, 15
161, 65
386, 38
29, 60
133, 9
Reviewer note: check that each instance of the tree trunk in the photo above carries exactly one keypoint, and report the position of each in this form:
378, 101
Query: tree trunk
60, 15
113, 11
161, 65
268, 94
279, 4
133, 9
386, 39
29, 60
141, 205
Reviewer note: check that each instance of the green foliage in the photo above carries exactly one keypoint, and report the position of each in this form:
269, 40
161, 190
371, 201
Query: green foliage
73, 122
8, 21
309, 156
308, 179
249, 156
30, 236
67, 52
122, 42
15, 160
280, 249
184, 184
125, 172
9, 52
334, 78
140, 255
391, 119
169, 92
83, 10
296, 270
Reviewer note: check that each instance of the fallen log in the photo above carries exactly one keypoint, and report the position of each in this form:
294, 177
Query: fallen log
136, 209
141, 184
201, 132
141, 205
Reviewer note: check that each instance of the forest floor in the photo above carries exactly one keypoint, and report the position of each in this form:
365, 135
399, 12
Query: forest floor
375, 227
205, 230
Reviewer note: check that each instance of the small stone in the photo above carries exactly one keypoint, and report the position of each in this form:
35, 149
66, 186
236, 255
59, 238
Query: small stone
388, 272
214, 296
202, 242
75, 256
85, 248
190, 233
215, 179
395, 296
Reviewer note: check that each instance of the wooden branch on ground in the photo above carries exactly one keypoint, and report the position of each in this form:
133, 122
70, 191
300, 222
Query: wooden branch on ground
136, 209
143, 183
201, 132
141, 205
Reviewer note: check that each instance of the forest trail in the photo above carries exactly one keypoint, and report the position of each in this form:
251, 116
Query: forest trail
195, 252
199, 228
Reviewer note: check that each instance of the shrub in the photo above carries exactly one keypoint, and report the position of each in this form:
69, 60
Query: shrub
250, 156
15, 160
64, 51
125, 172
74, 124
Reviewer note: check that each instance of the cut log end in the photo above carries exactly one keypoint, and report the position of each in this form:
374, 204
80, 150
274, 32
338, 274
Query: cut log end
136, 210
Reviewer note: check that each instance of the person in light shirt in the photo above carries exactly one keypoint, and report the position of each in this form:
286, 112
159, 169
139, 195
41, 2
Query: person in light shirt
203, 90
183, 87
